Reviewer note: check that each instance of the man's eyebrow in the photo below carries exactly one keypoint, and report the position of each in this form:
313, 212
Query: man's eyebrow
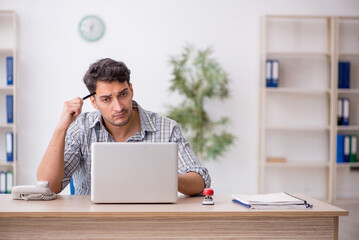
106, 96
124, 90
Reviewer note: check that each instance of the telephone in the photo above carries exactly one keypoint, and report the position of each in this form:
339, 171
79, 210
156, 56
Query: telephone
41, 191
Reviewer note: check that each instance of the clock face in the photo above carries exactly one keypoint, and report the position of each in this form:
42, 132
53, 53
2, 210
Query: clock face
91, 28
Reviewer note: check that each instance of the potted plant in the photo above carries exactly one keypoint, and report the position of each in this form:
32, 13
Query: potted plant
198, 77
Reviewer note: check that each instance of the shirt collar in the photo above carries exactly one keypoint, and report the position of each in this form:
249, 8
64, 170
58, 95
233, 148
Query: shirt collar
147, 124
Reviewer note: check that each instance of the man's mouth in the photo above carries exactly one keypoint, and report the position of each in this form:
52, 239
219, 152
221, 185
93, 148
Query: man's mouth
120, 114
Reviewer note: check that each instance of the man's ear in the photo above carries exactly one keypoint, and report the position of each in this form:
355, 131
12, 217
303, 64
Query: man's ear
131, 89
93, 102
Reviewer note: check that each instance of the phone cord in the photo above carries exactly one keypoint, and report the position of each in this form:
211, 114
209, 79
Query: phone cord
39, 196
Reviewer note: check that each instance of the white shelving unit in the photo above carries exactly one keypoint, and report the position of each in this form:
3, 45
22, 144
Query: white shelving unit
298, 119
347, 49
8, 42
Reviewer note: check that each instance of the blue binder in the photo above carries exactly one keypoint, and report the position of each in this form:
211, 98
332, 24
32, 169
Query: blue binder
340, 112
272, 72
346, 111
9, 142
10, 108
340, 148
346, 75
346, 148
10, 70
275, 73
340, 75
269, 73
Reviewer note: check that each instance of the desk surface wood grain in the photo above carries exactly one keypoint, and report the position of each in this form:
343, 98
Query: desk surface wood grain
80, 206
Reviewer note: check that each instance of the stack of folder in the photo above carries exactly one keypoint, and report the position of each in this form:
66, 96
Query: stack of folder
272, 72
6, 181
271, 201
347, 146
343, 114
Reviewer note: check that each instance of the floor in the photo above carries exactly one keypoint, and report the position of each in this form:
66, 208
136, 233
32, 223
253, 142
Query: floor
349, 226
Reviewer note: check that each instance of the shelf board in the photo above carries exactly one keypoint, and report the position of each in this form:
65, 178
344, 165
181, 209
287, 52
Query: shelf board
298, 54
300, 16
348, 90
296, 90
297, 128
7, 89
7, 50
347, 128
299, 164
348, 55
348, 164
6, 164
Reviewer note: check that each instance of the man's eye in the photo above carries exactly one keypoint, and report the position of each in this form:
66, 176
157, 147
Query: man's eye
123, 94
105, 100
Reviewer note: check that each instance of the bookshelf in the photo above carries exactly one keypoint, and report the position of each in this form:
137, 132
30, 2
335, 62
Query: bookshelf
346, 175
298, 119
8, 49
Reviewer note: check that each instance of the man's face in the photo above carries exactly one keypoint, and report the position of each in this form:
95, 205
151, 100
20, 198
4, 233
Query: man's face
114, 101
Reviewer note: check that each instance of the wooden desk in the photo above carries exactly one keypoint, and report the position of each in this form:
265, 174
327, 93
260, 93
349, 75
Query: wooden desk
75, 217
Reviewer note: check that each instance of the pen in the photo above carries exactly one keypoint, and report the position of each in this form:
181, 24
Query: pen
87, 96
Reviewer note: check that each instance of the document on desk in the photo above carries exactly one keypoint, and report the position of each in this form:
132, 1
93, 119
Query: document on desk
271, 201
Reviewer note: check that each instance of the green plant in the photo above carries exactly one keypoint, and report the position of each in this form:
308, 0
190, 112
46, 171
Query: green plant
199, 77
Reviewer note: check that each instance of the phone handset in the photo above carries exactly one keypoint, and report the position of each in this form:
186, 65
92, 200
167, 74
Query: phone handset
41, 191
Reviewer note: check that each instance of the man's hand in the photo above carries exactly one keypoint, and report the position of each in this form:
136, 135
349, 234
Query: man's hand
70, 111
51, 168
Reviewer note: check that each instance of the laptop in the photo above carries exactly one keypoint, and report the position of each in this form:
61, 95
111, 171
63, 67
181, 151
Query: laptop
134, 172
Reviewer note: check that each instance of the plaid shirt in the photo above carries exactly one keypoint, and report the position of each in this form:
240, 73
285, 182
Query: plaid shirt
88, 128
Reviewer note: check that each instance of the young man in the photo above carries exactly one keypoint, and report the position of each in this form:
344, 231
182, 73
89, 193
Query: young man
118, 119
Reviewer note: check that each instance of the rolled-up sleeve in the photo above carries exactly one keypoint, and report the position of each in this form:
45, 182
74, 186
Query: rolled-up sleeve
187, 160
72, 153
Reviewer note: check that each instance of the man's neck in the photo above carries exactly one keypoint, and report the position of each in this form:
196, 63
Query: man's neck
122, 133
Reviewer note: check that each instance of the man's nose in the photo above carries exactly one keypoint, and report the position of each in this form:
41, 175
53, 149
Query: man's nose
117, 105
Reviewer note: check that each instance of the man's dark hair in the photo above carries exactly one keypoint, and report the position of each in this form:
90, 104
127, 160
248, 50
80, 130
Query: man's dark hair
107, 70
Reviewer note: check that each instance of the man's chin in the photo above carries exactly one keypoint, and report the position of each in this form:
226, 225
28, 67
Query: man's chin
120, 123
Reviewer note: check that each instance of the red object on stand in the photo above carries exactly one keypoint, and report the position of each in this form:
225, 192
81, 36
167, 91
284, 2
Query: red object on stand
208, 191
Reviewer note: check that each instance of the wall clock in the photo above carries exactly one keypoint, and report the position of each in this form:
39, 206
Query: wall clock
91, 28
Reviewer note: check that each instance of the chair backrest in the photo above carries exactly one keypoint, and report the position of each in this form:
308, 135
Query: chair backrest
72, 187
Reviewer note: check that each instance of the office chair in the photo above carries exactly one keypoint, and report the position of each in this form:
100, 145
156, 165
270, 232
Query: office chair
72, 187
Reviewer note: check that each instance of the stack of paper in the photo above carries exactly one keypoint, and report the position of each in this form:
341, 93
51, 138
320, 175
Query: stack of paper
270, 201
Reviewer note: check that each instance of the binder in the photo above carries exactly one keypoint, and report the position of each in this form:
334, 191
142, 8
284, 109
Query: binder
346, 148
275, 73
353, 148
340, 148
9, 142
10, 70
10, 108
2, 182
9, 181
341, 75
346, 111
346, 74
272, 73
340, 112
269, 73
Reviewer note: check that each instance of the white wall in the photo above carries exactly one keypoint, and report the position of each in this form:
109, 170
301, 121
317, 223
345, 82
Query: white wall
52, 59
